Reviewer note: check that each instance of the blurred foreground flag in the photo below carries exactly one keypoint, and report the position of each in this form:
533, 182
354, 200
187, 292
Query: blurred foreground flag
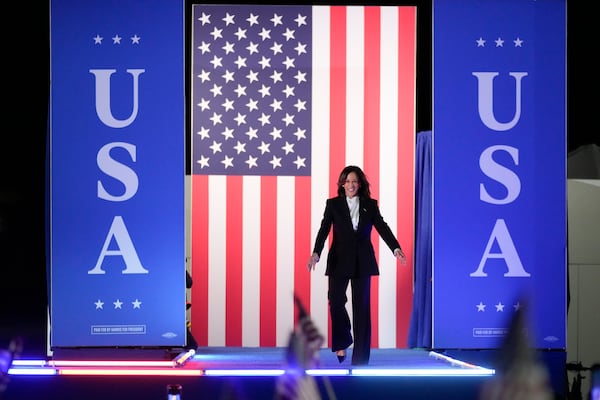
302, 353
520, 375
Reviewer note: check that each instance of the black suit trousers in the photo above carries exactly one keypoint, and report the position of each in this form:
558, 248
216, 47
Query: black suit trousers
341, 336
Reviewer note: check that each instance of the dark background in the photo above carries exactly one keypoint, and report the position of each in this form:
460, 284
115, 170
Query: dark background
25, 90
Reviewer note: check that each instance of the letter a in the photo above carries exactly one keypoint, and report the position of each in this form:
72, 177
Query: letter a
507, 251
118, 231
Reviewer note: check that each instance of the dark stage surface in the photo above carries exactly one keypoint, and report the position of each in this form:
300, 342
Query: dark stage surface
254, 373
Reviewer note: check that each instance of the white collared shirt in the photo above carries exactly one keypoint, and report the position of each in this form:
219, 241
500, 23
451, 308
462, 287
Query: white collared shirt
353, 204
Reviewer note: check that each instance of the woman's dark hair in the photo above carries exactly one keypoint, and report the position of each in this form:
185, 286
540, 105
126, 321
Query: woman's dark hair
364, 189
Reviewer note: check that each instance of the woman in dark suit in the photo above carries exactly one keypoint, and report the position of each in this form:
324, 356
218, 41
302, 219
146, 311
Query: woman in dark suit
351, 259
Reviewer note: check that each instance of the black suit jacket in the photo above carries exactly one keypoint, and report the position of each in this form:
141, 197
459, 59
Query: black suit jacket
351, 253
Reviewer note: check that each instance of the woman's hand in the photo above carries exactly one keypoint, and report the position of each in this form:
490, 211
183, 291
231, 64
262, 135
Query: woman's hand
398, 253
313, 260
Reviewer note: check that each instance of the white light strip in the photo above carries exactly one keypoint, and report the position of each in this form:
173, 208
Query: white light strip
328, 372
29, 363
422, 372
183, 357
32, 371
244, 372
453, 361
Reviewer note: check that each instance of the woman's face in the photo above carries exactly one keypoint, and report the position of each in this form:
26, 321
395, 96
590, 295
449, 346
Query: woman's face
351, 185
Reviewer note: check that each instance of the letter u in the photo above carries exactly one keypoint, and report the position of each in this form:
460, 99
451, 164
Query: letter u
485, 97
103, 108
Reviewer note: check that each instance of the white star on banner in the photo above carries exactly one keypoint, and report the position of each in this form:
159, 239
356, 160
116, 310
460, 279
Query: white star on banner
518, 42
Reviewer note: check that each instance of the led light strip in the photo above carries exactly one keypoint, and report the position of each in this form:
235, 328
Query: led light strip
130, 371
421, 372
106, 363
459, 363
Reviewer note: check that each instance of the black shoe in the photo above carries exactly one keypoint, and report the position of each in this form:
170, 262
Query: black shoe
341, 355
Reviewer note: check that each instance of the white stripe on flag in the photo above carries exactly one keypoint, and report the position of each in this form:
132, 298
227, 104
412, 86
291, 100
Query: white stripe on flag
251, 267
320, 175
355, 86
387, 191
285, 259
217, 191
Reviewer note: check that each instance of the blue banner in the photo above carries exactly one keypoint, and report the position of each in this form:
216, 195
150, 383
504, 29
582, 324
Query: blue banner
499, 208
117, 173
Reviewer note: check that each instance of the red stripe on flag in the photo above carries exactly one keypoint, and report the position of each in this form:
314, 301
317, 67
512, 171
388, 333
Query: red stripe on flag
302, 235
372, 130
268, 261
199, 250
234, 272
406, 151
337, 156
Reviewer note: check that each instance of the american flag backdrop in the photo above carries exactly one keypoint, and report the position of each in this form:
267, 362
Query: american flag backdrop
283, 97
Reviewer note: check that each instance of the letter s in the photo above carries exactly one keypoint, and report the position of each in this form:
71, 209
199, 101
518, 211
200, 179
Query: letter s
499, 173
117, 170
